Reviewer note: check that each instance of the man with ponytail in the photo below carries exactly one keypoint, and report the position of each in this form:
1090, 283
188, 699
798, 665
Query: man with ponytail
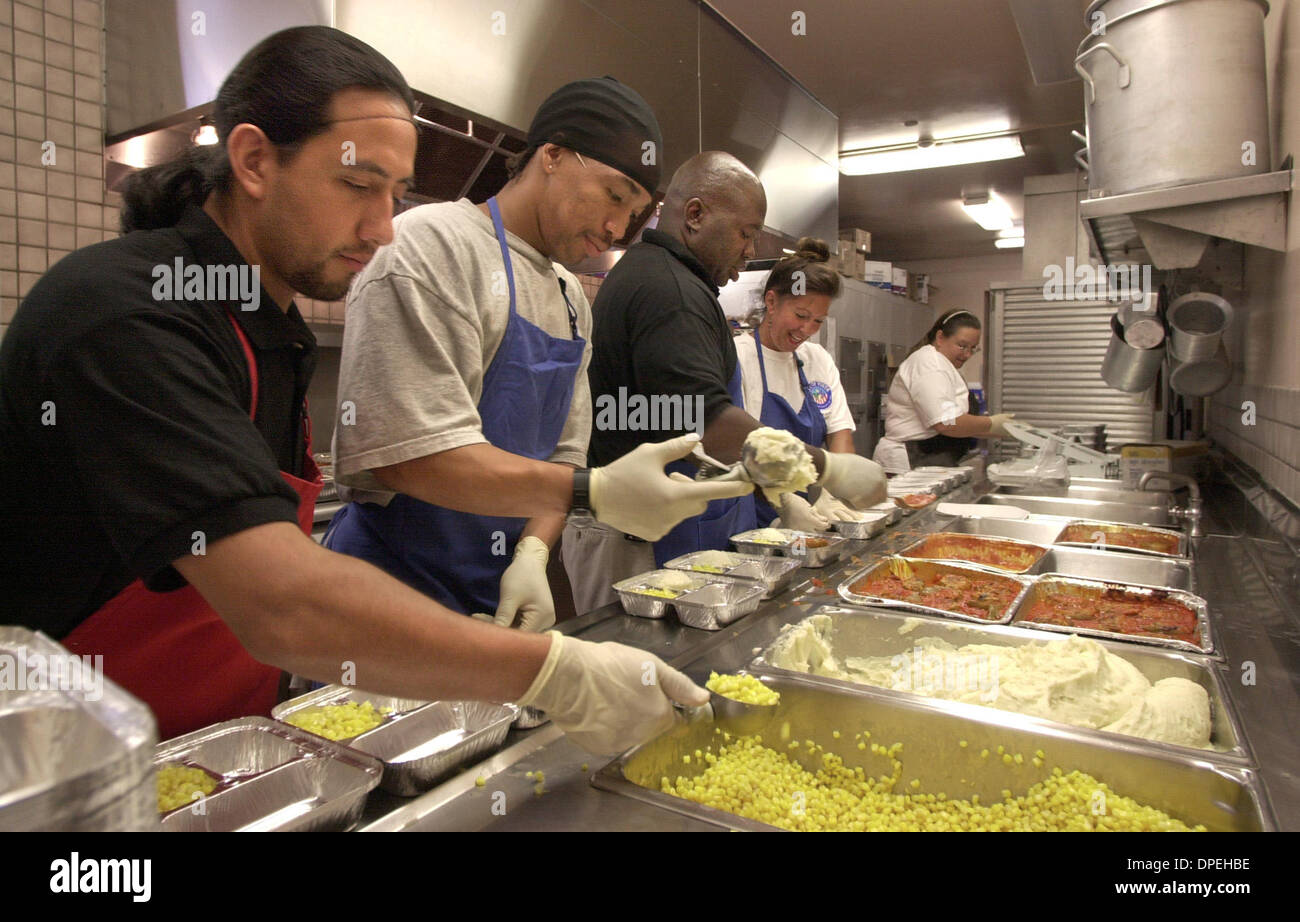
156, 447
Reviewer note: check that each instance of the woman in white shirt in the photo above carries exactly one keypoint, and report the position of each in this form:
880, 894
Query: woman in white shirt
926, 410
790, 383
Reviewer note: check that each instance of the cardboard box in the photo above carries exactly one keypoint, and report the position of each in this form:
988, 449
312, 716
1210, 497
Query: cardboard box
898, 283
878, 274
860, 239
920, 290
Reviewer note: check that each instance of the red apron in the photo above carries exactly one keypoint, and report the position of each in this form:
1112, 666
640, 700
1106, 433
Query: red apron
172, 650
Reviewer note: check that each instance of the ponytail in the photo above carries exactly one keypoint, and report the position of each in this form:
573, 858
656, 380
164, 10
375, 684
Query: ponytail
285, 86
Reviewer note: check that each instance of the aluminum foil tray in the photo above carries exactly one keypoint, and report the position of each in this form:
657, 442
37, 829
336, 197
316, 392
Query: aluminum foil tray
1048, 581
1220, 796
930, 570
421, 742
1103, 527
872, 524
530, 717
76, 749
893, 512
924, 549
270, 776
711, 603
863, 633
775, 573
796, 546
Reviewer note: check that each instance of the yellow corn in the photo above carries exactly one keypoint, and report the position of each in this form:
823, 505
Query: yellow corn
751, 780
743, 688
338, 721
177, 785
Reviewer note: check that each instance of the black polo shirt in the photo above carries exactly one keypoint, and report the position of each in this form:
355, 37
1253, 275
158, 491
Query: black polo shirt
124, 423
657, 329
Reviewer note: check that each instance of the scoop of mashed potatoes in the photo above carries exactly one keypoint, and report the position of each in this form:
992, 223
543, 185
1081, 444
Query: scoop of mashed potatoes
782, 460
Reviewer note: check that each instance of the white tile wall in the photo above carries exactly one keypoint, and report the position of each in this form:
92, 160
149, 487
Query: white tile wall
1272, 445
51, 90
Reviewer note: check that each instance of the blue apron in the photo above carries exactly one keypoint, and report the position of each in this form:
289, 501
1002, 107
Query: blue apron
808, 425
722, 518
452, 555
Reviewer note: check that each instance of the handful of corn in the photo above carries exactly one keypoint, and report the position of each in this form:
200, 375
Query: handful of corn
743, 688
177, 785
751, 780
338, 721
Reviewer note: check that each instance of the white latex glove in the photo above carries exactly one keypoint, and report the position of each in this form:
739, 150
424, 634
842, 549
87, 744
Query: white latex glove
998, 429
854, 479
606, 696
830, 508
634, 495
796, 513
524, 588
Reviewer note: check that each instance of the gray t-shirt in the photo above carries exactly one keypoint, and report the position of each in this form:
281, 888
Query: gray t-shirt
424, 321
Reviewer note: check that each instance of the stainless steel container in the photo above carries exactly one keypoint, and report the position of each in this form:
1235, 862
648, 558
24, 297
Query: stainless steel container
1173, 89
1201, 378
1127, 368
1122, 568
1143, 329
272, 777
1037, 529
1051, 581
75, 748
421, 742
867, 633
1218, 795
930, 570
1197, 322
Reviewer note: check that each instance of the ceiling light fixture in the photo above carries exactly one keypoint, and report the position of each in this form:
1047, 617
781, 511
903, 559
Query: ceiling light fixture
1009, 243
929, 154
987, 210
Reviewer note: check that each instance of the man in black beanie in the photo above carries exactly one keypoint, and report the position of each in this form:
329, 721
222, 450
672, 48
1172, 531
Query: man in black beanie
463, 388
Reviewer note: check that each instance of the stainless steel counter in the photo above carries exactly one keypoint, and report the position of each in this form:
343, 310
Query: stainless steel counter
1237, 566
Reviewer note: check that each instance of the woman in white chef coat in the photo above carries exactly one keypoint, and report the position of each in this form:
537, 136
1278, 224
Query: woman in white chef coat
926, 410
791, 383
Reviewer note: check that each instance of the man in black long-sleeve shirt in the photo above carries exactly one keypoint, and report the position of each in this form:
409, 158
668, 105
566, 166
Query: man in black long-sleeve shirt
662, 345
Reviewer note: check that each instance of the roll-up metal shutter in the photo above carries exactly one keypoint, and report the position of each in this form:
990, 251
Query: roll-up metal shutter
1044, 364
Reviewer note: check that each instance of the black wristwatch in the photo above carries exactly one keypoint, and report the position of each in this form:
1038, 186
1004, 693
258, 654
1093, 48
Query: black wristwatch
581, 506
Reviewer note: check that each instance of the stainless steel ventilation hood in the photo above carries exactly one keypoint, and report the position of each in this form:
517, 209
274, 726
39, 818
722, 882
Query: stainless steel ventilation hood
493, 64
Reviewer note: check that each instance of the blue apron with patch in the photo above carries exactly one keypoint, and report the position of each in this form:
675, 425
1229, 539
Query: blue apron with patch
451, 555
808, 425
723, 518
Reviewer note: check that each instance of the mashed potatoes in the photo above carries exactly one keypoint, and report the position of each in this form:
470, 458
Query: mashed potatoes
782, 461
1076, 681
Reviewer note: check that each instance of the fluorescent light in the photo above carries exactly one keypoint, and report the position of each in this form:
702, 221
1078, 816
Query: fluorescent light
1017, 229
987, 210
207, 134
937, 154
1009, 243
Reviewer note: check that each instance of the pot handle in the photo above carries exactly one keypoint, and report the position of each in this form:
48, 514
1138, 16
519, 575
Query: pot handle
1124, 77
1079, 155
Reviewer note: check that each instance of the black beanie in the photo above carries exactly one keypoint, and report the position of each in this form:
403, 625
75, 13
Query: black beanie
607, 121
